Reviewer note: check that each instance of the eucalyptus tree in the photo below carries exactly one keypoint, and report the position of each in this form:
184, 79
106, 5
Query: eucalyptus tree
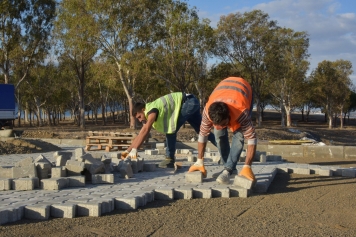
126, 31
102, 84
331, 82
181, 55
25, 27
352, 104
344, 69
76, 47
242, 40
287, 66
40, 88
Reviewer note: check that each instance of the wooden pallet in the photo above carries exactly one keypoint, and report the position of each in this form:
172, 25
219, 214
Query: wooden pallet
108, 141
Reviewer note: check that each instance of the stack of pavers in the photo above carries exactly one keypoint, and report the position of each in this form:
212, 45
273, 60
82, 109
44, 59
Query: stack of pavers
80, 183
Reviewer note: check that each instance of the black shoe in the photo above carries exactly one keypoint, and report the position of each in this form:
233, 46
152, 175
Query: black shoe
167, 163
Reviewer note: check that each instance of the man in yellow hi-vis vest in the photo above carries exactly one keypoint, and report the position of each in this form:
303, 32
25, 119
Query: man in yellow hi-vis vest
166, 114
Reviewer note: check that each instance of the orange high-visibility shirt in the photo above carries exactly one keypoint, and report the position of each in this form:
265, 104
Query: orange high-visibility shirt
236, 93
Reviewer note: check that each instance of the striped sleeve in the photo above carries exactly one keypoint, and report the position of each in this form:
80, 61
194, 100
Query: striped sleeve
248, 130
205, 128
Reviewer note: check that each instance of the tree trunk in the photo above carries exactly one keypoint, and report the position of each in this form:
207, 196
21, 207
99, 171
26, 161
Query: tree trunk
341, 119
283, 115
258, 107
103, 114
132, 118
330, 120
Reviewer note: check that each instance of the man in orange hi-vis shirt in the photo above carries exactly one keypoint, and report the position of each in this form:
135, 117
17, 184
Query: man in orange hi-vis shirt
229, 106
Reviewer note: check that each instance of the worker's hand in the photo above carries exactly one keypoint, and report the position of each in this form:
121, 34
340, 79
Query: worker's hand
198, 166
247, 173
124, 154
133, 153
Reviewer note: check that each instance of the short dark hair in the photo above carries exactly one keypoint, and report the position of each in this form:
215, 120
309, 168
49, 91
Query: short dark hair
137, 108
218, 112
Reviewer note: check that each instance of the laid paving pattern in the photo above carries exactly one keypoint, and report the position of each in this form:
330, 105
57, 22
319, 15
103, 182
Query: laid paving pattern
143, 187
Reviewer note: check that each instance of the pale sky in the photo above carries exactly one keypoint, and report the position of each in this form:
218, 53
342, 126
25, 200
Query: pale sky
331, 24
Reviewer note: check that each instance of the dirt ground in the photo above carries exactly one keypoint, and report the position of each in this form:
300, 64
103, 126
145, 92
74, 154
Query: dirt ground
295, 205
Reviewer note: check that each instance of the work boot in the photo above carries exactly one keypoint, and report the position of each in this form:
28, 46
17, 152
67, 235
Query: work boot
224, 177
215, 175
167, 163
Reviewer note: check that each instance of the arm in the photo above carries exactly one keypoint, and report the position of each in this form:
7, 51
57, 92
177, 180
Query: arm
145, 130
248, 130
205, 129
249, 134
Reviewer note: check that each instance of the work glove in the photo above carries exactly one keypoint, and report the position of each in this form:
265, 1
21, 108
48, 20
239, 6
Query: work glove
124, 154
133, 153
247, 173
198, 166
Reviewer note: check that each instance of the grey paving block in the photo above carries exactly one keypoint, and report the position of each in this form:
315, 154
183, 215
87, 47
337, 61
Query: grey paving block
78, 153
125, 170
349, 173
63, 210
164, 194
93, 165
102, 179
62, 160
149, 167
24, 162
243, 182
37, 212
202, 192
107, 204
183, 193
126, 202
236, 191
15, 213
54, 183
4, 216
92, 208
57, 172
220, 191
324, 172
337, 171
150, 194
305, 171
74, 168
151, 152
42, 159
23, 184
5, 172
194, 177
27, 171
43, 169
261, 186
141, 197
76, 181
5, 184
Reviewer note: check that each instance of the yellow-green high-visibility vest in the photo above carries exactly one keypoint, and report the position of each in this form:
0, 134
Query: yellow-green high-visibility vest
168, 111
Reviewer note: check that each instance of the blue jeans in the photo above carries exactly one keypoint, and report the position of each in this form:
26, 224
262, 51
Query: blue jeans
230, 156
190, 112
